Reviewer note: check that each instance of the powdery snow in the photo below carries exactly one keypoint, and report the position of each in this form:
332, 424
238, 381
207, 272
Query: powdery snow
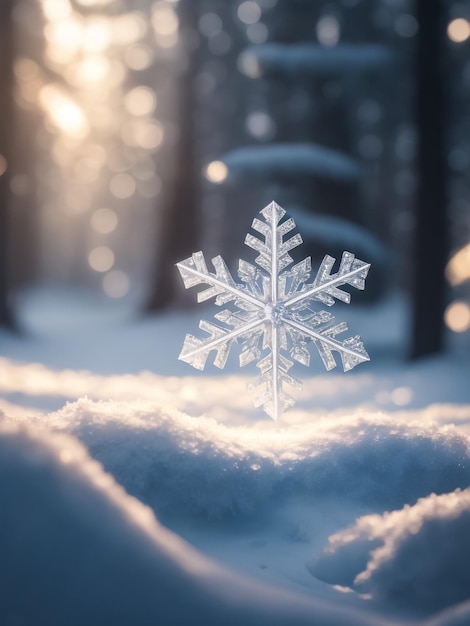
215, 470
76, 550
415, 557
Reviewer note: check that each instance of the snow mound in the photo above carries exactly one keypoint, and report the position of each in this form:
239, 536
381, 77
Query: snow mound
76, 550
416, 557
177, 463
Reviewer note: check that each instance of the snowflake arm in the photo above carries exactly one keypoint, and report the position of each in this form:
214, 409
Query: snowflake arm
194, 272
325, 287
351, 350
274, 310
196, 351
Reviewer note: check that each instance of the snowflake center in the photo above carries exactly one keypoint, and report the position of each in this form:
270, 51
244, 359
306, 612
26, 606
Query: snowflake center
273, 313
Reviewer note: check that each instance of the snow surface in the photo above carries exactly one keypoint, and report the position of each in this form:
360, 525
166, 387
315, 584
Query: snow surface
76, 550
417, 556
262, 498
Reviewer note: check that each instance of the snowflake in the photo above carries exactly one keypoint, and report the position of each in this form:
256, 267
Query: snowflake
274, 311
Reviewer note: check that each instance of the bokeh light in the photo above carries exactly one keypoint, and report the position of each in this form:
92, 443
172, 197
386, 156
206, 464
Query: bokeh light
401, 396
122, 186
216, 172
210, 24
101, 259
458, 30
140, 101
249, 12
261, 125
116, 284
249, 65
457, 316
458, 267
406, 25
257, 33
328, 30
104, 221
138, 57
63, 111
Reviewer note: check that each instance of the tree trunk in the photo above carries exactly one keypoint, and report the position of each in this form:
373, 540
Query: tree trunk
6, 112
179, 234
430, 234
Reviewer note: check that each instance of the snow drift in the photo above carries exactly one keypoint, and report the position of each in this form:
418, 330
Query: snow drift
181, 464
416, 557
77, 550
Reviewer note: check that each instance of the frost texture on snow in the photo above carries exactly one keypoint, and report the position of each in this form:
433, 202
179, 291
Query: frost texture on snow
417, 557
182, 465
274, 310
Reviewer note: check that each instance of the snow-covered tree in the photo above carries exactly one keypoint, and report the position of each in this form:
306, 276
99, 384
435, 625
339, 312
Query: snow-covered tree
311, 164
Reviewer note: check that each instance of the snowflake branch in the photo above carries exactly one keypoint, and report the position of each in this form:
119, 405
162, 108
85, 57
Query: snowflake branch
205, 346
188, 267
358, 356
340, 278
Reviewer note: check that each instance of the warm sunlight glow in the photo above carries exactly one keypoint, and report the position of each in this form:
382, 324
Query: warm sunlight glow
56, 10
147, 134
458, 30
104, 221
65, 38
99, 131
216, 172
63, 112
94, 3
101, 259
93, 69
122, 186
140, 101
458, 268
138, 57
96, 35
457, 316
116, 284
25, 69
85, 171
164, 20
129, 28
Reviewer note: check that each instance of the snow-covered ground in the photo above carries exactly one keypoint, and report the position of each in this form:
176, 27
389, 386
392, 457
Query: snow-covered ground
324, 517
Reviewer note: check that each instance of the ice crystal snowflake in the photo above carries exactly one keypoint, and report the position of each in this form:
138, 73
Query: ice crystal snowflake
273, 310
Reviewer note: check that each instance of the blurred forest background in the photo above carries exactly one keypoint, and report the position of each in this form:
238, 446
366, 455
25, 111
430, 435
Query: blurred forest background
133, 133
